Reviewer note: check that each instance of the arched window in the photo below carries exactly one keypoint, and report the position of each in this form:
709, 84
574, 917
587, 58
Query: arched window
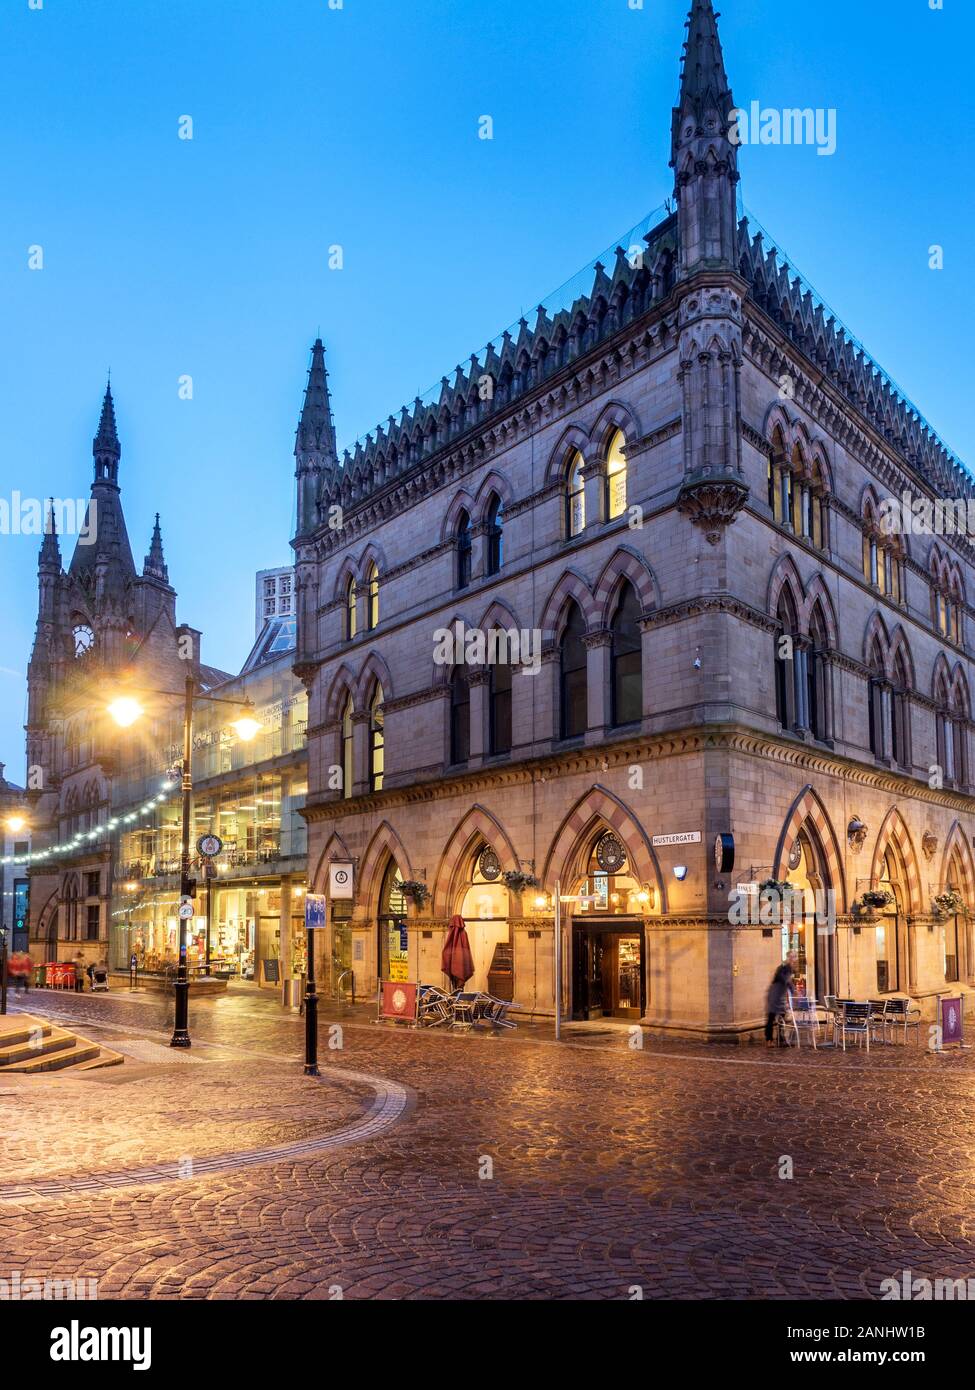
787, 703
499, 711
372, 597
959, 725
900, 717
626, 663
875, 700
777, 471
814, 514
347, 770
942, 724
377, 742
573, 702
392, 921
616, 475
495, 535
460, 717
575, 496
463, 550
351, 604
817, 676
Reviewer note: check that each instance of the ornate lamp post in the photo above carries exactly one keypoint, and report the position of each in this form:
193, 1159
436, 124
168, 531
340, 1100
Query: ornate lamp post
125, 710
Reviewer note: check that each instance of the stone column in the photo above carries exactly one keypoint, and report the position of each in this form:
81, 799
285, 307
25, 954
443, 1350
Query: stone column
360, 752
598, 663
478, 685
594, 477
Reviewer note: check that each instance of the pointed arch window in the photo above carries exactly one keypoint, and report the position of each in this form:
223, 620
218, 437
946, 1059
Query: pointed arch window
499, 709
372, 597
575, 497
495, 535
347, 745
463, 550
574, 711
351, 606
959, 747
817, 677
460, 718
616, 475
900, 716
626, 659
788, 704
875, 700
377, 741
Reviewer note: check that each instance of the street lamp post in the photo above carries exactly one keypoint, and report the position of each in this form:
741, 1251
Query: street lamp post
125, 711
181, 1031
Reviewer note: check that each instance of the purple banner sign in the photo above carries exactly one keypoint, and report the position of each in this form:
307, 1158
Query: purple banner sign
952, 1021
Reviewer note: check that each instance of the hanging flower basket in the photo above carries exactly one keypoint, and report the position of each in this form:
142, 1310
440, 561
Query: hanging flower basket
779, 886
876, 898
948, 903
516, 881
416, 890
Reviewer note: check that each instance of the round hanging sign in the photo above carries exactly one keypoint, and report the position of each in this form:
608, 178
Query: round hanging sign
610, 854
209, 846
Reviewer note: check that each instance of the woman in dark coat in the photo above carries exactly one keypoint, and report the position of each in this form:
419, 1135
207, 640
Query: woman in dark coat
778, 994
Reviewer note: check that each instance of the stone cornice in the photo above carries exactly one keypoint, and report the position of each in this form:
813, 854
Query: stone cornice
598, 758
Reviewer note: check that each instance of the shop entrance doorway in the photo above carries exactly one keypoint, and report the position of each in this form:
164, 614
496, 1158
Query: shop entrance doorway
608, 970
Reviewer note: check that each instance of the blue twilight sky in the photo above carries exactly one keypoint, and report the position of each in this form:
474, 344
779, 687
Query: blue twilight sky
358, 126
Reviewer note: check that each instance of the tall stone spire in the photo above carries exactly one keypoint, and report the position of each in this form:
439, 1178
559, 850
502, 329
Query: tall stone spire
155, 564
704, 154
50, 556
315, 448
106, 447
103, 545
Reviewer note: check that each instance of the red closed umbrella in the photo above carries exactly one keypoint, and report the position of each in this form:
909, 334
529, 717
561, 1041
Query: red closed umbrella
456, 961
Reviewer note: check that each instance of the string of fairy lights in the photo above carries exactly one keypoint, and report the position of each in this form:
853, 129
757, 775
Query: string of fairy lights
84, 838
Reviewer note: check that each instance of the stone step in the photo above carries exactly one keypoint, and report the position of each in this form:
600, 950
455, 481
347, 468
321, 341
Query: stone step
21, 1031
105, 1058
59, 1048
78, 1050
54, 1040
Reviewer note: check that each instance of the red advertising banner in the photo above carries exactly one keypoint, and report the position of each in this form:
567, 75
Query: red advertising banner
397, 999
952, 1021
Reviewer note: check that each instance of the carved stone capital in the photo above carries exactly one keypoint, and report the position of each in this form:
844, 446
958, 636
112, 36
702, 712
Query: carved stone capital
712, 503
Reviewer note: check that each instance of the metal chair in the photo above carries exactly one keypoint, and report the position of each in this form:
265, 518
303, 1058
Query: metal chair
433, 1006
903, 1014
802, 1016
855, 1022
878, 1017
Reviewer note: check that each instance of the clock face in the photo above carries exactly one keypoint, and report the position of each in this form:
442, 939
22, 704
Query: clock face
724, 853
84, 639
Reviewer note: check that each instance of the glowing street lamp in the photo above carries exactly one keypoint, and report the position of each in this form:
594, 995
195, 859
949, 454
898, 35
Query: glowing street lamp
125, 711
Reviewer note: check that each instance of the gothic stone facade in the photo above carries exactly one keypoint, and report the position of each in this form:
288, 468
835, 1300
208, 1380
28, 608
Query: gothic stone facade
750, 516
98, 621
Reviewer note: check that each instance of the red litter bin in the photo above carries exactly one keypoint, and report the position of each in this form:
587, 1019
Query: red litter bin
67, 976
54, 974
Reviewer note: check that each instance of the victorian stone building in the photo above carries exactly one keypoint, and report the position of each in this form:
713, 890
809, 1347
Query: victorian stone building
675, 481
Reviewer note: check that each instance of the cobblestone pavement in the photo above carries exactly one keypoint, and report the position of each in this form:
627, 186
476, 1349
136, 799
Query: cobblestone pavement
523, 1169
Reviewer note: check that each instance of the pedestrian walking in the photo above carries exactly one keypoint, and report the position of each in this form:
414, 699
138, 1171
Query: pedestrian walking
778, 995
79, 974
18, 969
